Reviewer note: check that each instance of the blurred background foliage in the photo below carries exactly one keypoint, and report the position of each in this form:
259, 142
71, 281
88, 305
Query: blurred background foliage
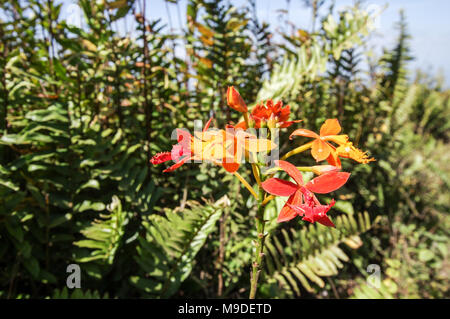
83, 109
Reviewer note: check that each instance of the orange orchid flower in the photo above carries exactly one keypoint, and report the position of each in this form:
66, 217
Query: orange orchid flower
274, 115
222, 147
235, 143
187, 148
321, 148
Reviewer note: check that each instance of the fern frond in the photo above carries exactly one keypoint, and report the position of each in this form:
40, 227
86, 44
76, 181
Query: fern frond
302, 257
77, 294
366, 291
104, 236
166, 254
312, 56
286, 77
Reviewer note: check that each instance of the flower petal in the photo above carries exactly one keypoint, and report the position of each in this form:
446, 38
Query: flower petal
288, 123
184, 139
230, 165
330, 127
177, 152
326, 221
291, 170
333, 159
207, 124
338, 139
300, 209
327, 182
320, 213
254, 144
320, 150
183, 135
261, 112
176, 165
287, 213
307, 213
304, 132
241, 125
279, 187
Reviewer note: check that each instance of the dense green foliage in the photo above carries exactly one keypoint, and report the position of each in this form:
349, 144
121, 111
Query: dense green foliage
83, 109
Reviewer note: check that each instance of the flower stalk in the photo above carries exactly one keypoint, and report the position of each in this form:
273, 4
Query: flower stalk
297, 150
259, 249
246, 184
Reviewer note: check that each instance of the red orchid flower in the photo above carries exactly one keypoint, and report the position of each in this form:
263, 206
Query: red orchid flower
272, 114
310, 209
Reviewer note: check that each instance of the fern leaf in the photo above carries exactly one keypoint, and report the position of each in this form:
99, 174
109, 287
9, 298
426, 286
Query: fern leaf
104, 236
311, 253
166, 254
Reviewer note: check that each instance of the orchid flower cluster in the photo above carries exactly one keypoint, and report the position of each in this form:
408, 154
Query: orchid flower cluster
230, 147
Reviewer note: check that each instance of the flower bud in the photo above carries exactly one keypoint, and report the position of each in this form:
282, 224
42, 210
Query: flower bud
321, 169
235, 100
272, 121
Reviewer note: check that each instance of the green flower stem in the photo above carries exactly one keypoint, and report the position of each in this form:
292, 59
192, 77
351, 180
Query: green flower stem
246, 119
260, 224
297, 150
273, 170
259, 249
255, 168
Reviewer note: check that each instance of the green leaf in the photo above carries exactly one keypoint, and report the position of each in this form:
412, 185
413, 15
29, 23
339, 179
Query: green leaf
425, 255
32, 265
88, 205
344, 206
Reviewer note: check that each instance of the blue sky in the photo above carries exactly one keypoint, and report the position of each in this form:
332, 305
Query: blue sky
428, 24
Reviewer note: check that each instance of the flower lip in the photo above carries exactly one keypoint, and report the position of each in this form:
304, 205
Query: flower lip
161, 158
312, 212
